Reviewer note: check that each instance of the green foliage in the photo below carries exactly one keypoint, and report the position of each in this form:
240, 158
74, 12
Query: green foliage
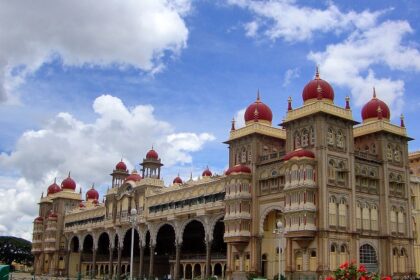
15, 249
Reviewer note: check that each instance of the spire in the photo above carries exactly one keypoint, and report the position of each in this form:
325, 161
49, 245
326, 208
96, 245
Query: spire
289, 104
55, 180
347, 102
80, 190
379, 110
402, 120
69, 175
258, 96
317, 73
233, 124
374, 92
191, 176
93, 186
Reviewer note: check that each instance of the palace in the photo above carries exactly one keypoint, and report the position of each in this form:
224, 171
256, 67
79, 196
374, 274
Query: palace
340, 188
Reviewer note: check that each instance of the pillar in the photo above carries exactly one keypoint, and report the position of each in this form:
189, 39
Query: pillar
119, 262
177, 260
80, 262
67, 263
111, 265
93, 270
152, 256
208, 259
141, 261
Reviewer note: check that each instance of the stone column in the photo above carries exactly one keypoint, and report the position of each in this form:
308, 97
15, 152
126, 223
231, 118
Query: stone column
208, 259
93, 270
111, 262
119, 262
152, 256
67, 263
80, 261
177, 260
141, 261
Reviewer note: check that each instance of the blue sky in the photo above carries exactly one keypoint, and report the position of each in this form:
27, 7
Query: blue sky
81, 88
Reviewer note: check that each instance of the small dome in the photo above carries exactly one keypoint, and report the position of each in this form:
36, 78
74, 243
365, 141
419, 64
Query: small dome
39, 219
299, 153
317, 89
68, 184
370, 110
92, 194
177, 180
152, 154
258, 111
121, 166
239, 168
134, 176
82, 205
53, 188
207, 173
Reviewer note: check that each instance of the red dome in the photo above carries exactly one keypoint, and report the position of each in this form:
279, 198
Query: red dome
239, 168
318, 89
82, 205
53, 188
134, 176
370, 110
177, 180
258, 111
207, 173
121, 166
152, 154
92, 194
300, 153
39, 219
68, 183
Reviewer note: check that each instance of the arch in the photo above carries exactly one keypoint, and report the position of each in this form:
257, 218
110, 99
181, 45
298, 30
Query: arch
368, 257
185, 223
212, 224
194, 238
165, 249
103, 243
74, 244
264, 212
88, 243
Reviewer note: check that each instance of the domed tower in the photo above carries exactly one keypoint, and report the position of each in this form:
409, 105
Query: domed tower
119, 174
151, 165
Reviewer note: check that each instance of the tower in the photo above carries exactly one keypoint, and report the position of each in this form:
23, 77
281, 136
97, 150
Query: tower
119, 174
151, 165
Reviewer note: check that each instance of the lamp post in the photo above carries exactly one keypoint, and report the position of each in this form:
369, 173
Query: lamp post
133, 220
279, 232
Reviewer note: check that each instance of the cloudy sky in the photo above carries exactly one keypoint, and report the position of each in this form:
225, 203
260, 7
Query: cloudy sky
83, 85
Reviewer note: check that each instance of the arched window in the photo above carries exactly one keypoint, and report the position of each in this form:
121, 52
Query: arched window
243, 155
330, 137
332, 210
297, 140
389, 152
359, 216
342, 213
299, 261
365, 217
305, 138
344, 255
402, 267
374, 218
313, 261
397, 154
368, 257
312, 135
340, 139
331, 169
395, 254
393, 218
333, 257
401, 221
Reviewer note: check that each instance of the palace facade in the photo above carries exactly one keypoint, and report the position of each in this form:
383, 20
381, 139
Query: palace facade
340, 188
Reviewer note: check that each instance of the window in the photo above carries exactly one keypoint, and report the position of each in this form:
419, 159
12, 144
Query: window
332, 210
359, 216
312, 135
330, 137
333, 257
395, 254
344, 255
393, 218
331, 169
389, 152
313, 261
401, 221
397, 155
297, 140
342, 212
403, 261
367, 254
305, 138
299, 261
366, 217
374, 218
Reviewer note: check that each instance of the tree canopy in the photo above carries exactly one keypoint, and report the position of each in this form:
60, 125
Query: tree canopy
15, 249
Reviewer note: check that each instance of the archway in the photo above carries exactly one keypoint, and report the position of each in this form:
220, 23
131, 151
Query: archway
146, 255
164, 251
102, 253
269, 243
193, 244
87, 252
218, 270
126, 252
219, 247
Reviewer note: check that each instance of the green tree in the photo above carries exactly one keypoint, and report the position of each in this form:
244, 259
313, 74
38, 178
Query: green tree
15, 249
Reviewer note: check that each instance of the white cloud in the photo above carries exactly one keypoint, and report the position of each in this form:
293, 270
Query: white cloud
240, 118
351, 63
289, 75
85, 33
284, 19
89, 150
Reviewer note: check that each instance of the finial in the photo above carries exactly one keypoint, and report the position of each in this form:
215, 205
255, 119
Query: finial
69, 174
55, 180
289, 104
191, 176
42, 194
402, 120
258, 95
93, 186
80, 191
233, 124
317, 72
347, 102
374, 92
379, 110
152, 147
